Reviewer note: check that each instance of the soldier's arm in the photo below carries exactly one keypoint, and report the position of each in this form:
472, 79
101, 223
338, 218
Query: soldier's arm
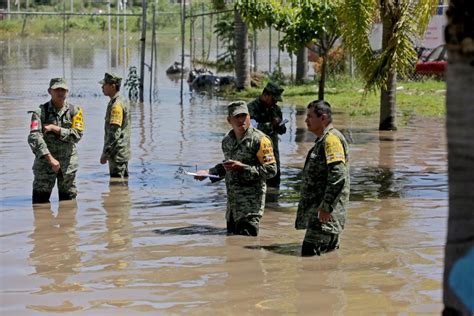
35, 138
36, 141
337, 171
73, 134
335, 183
110, 145
267, 127
116, 121
217, 170
266, 168
280, 129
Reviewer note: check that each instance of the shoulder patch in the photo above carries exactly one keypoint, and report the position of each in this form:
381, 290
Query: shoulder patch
78, 120
265, 153
35, 121
116, 114
334, 149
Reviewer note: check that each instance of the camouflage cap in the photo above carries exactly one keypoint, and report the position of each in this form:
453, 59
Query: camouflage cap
58, 83
237, 107
274, 90
111, 79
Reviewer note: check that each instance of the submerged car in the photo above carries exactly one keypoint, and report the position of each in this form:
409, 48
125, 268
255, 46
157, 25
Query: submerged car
434, 64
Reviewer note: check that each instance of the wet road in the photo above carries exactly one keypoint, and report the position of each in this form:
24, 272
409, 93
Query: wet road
158, 246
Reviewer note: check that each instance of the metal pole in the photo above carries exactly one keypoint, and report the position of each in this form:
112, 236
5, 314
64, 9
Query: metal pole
202, 32
124, 39
8, 8
191, 35
142, 58
109, 51
183, 31
72, 6
117, 37
217, 38
64, 39
152, 52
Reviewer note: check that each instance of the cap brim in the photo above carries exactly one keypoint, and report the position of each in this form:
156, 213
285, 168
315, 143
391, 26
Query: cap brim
102, 81
59, 86
237, 112
278, 98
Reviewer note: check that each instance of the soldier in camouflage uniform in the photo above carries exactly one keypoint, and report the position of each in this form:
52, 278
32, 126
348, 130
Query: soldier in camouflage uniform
325, 185
249, 162
267, 114
117, 128
56, 127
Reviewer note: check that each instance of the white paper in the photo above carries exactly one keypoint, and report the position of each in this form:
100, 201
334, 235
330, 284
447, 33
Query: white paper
200, 175
283, 122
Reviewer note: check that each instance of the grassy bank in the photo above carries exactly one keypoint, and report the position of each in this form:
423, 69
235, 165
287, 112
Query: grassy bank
425, 98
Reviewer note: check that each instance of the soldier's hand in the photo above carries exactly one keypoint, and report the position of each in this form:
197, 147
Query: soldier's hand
51, 128
276, 122
323, 216
53, 163
233, 165
103, 160
200, 178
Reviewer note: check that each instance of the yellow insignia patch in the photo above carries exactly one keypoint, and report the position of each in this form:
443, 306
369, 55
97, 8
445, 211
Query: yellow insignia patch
78, 121
265, 153
116, 115
334, 149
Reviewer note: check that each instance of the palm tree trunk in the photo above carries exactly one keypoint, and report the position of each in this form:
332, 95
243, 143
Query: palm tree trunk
301, 65
388, 109
388, 104
242, 69
458, 288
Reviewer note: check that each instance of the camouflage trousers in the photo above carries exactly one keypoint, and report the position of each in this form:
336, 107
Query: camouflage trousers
317, 242
45, 179
246, 226
118, 169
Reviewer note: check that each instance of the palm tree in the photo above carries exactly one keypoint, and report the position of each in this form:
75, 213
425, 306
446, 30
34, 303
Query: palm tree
242, 68
403, 21
459, 252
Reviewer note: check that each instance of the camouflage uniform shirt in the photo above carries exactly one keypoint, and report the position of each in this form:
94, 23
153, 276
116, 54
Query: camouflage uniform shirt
246, 189
325, 183
117, 130
63, 146
264, 115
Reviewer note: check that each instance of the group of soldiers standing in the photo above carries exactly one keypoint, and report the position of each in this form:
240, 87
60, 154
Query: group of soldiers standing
250, 148
252, 162
57, 126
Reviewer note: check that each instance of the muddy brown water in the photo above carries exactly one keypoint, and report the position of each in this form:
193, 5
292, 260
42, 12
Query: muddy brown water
158, 246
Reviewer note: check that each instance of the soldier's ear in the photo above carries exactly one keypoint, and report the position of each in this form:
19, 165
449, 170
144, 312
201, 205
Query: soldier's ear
228, 119
49, 91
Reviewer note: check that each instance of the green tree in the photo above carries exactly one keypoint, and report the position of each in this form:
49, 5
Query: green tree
303, 22
458, 285
403, 21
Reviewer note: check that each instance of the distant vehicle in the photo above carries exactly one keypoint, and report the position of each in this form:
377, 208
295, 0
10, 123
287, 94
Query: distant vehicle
434, 64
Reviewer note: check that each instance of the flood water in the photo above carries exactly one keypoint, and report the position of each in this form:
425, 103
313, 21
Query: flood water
158, 246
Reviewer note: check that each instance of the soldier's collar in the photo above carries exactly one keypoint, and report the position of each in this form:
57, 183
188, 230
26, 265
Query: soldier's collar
52, 108
326, 130
115, 96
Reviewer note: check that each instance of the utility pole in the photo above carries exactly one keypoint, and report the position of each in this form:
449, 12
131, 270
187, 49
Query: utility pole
142, 58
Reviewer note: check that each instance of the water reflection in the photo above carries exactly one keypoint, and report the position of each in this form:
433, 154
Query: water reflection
116, 204
55, 255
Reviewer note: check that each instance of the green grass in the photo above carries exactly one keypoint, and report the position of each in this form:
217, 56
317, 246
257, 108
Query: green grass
425, 98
